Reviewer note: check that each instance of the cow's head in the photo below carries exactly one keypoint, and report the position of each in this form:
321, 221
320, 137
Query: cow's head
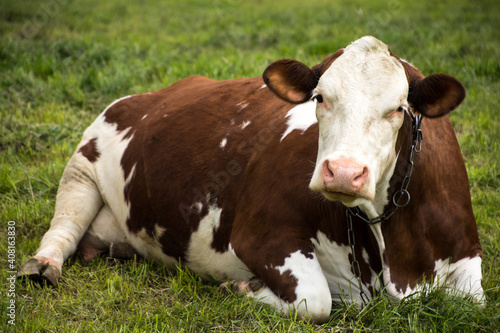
362, 94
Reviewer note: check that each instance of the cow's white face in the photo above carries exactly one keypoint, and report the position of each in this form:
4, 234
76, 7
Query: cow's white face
361, 98
362, 95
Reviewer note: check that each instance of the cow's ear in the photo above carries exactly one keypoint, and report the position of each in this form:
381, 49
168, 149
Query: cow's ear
436, 95
290, 80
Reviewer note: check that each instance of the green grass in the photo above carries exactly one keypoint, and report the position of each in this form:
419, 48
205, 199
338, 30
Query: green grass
62, 62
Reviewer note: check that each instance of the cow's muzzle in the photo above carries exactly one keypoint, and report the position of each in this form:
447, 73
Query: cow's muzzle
344, 176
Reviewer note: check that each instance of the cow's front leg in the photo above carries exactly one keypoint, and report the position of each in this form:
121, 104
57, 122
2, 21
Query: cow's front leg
296, 285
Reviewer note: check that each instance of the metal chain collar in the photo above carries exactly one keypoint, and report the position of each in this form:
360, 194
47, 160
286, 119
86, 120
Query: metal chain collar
400, 194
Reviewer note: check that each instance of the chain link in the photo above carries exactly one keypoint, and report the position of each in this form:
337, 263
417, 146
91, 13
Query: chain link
354, 262
396, 203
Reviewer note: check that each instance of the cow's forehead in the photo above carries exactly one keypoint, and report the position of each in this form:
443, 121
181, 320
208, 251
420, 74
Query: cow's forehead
365, 67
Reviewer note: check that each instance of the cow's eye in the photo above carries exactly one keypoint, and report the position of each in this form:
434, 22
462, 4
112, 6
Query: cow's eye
401, 109
319, 98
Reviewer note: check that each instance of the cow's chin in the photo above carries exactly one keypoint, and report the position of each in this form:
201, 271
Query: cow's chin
349, 200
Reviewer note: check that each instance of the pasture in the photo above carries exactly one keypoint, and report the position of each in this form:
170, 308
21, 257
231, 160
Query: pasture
62, 62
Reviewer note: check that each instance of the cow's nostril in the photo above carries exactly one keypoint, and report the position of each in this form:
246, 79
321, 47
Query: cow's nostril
362, 175
360, 179
327, 172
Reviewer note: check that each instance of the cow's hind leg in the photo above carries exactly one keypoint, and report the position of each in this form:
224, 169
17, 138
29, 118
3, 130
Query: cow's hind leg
78, 201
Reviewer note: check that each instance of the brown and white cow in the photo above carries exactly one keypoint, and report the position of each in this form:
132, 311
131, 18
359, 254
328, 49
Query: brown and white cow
249, 179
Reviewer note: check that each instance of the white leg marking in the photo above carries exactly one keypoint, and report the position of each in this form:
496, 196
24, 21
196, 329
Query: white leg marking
207, 262
314, 300
463, 277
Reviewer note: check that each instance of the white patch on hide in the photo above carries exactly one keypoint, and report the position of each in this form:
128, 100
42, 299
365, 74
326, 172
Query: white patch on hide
223, 143
301, 117
334, 261
241, 105
245, 124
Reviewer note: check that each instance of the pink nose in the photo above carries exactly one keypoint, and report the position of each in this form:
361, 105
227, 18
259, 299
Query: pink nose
344, 176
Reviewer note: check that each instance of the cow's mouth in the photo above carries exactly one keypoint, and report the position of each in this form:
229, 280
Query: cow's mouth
339, 196
348, 199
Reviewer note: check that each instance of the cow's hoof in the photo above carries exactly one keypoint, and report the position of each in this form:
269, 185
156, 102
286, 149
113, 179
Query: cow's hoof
255, 284
30, 270
51, 275
36, 271
241, 287
226, 288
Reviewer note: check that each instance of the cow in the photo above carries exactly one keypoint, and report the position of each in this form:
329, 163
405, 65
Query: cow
298, 188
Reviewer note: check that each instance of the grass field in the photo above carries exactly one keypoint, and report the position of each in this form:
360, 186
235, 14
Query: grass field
63, 61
